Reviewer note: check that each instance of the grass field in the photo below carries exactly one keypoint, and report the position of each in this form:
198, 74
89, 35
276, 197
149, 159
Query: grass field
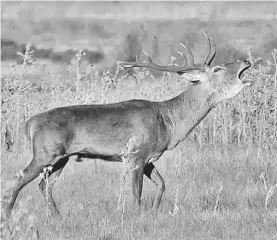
221, 183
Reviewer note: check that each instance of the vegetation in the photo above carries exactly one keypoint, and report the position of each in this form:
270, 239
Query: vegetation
221, 183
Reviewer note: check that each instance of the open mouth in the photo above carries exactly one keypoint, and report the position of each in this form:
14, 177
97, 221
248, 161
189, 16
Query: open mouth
245, 66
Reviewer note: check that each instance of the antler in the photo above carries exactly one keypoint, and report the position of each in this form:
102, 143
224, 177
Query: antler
211, 47
188, 64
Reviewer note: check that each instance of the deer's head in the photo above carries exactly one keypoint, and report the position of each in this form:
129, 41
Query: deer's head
223, 81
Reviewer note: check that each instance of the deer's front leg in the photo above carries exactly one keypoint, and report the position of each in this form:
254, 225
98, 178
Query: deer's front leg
137, 183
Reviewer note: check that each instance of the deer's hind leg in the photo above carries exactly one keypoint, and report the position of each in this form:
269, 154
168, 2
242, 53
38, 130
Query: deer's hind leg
152, 173
31, 172
45, 151
47, 183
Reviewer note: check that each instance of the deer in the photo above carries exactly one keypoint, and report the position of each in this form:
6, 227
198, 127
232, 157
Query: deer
103, 131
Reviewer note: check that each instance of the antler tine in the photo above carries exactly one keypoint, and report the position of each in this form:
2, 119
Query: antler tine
190, 58
208, 52
185, 63
148, 58
213, 47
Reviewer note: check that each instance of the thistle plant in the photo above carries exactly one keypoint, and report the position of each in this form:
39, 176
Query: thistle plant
176, 207
44, 175
27, 57
126, 156
79, 56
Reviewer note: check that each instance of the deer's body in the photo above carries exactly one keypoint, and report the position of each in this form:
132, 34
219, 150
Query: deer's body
103, 131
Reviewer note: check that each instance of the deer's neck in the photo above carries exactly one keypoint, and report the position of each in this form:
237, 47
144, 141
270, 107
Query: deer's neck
186, 111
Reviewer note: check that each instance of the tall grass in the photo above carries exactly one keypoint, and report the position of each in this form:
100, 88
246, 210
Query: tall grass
221, 181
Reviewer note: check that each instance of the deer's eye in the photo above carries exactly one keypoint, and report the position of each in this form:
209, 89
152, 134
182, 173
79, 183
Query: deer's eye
217, 69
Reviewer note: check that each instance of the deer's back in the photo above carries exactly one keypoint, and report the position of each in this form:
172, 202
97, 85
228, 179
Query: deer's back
117, 118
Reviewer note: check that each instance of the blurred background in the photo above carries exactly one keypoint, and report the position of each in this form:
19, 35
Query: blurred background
111, 31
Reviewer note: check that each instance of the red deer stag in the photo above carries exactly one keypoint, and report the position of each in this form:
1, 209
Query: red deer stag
103, 131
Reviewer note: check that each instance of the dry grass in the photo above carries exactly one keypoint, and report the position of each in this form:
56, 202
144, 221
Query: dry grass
221, 182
